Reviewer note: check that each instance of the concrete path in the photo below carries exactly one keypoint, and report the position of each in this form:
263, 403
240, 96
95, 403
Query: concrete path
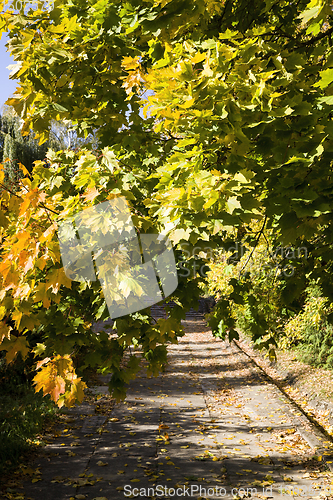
211, 426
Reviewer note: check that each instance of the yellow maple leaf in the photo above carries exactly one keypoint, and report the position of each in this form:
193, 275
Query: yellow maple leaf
49, 232
57, 378
4, 331
22, 167
77, 388
13, 346
31, 200
129, 62
2, 172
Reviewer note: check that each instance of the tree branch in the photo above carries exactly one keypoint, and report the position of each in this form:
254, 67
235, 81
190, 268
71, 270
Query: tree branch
318, 37
255, 246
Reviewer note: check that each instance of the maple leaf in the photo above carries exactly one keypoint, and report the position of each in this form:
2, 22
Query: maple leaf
169, 326
20, 245
58, 388
58, 278
109, 160
57, 378
22, 291
2, 172
5, 270
31, 200
64, 365
48, 380
128, 285
41, 295
23, 168
29, 264
17, 316
129, 62
133, 79
76, 392
41, 262
48, 233
4, 331
3, 219
13, 346
91, 194
42, 362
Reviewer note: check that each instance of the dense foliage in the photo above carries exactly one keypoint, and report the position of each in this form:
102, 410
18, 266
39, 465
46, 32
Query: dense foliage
15, 149
236, 128
41, 308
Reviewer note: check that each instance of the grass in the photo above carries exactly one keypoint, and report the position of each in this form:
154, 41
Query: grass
23, 414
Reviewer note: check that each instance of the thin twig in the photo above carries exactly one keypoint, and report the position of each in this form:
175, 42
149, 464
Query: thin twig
9, 191
255, 246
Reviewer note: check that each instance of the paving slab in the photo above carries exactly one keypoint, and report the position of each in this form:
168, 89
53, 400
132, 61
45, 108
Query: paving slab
210, 426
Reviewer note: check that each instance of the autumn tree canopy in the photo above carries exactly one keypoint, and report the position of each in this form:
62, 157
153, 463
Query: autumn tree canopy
235, 127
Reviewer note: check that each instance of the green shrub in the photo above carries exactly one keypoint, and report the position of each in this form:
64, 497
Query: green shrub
251, 284
23, 413
244, 318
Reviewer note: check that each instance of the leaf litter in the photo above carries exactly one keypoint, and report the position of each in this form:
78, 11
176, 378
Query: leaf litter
283, 450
